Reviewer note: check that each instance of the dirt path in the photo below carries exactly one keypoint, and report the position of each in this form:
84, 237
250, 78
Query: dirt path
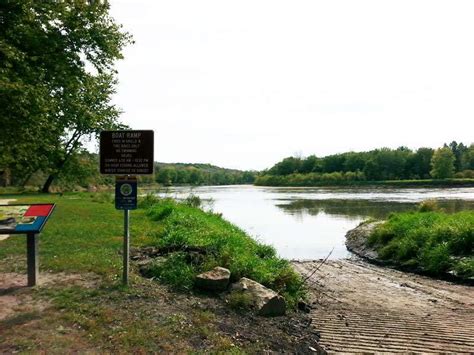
359, 307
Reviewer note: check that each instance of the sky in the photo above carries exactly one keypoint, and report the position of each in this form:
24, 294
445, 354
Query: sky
243, 84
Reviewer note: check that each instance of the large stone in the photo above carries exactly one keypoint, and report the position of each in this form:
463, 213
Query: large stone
216, 279
356, 240
265, 301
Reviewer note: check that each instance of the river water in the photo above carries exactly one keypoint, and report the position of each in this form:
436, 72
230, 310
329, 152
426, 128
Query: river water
309, 223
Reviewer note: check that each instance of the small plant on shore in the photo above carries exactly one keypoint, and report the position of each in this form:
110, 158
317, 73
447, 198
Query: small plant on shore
428, 206
193, 201
147, 201
239, 301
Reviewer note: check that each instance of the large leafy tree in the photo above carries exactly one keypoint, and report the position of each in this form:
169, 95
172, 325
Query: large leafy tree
443, 163
56, 81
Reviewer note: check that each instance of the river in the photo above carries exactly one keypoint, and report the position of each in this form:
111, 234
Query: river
310, 223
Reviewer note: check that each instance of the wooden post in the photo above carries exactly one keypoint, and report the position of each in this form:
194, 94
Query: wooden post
32, 258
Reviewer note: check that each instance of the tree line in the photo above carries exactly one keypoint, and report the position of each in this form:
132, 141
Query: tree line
82, 171
200, 174
454, 160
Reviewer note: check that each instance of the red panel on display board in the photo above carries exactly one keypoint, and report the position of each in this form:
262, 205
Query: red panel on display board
38, 211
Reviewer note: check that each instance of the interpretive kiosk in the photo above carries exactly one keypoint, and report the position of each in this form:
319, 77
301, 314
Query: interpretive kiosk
29, 220
126, 154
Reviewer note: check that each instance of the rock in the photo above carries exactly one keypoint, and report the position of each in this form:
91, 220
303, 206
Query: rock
266, 302
356, 240
304, 307
215, 280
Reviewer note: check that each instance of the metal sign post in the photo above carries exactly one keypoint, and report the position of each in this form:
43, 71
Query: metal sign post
126, 246
128, 153
126, 200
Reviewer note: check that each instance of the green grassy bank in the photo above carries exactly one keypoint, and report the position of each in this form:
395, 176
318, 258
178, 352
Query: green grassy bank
221, 244
337, 179
432, 242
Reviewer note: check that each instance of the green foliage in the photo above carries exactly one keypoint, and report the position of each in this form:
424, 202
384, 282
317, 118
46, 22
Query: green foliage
434, 242
428, 206
56, 81
147, 201
200, 174
382, 164
175, 271
443, 163
223, 244
161, 209
193, 201
464, 267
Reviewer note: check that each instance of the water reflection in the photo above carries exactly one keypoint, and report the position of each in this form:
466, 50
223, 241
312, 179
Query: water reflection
307, 223
363, 208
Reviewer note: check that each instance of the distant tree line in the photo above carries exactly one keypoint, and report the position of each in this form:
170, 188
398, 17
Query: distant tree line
450, 161
200, 174
82, 171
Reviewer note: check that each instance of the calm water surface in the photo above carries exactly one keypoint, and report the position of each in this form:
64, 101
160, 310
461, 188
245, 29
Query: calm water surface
307, 223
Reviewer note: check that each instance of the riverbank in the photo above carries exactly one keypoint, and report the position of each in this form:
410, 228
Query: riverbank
309, 180
433, 243
80, 305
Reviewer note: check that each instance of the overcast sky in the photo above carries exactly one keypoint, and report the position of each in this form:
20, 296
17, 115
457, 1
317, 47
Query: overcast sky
243, 84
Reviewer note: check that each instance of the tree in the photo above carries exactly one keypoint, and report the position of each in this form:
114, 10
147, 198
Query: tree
56, 81
442, 163
419, 164
308, 164
167, 176
287, 166
458, 150
468, 158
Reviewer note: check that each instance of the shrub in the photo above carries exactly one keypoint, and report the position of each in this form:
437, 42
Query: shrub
428, 206
147, 201
465, 268
193, 201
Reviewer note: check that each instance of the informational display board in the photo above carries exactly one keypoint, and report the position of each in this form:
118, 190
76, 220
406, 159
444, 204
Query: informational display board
126, 193
24, 219
126, 152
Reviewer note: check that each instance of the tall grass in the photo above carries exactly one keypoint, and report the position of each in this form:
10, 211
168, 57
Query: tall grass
431, 241
220, 243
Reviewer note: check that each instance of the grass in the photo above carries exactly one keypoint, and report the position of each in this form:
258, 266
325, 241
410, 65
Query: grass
428, 240
84, 236
221, 244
